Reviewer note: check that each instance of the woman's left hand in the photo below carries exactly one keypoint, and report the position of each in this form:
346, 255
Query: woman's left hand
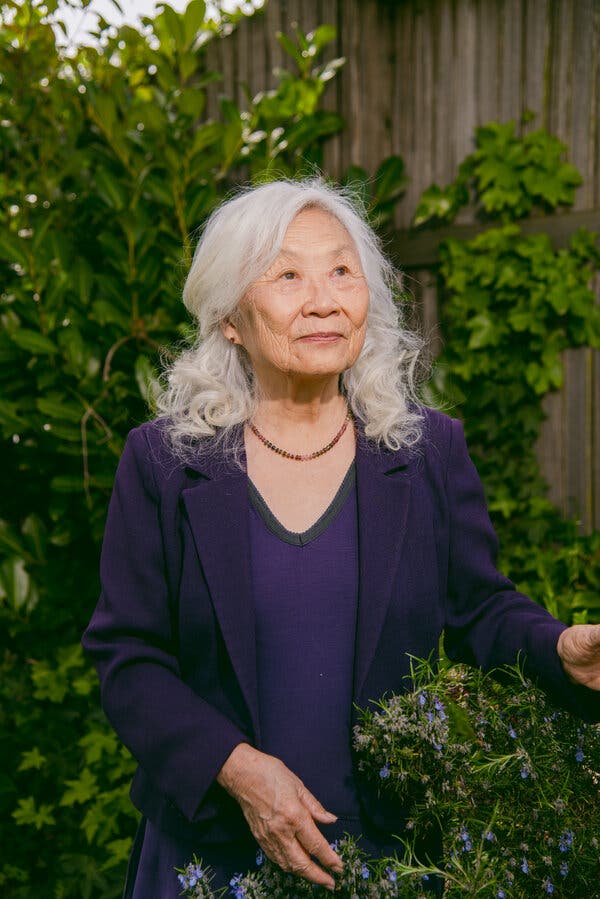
579, 650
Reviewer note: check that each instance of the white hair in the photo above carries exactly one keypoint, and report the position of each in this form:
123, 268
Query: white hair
209, 389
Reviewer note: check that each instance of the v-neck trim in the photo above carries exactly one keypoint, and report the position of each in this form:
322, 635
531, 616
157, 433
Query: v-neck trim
301, 538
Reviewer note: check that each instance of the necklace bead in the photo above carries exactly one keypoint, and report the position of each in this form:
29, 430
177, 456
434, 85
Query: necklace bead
303, 457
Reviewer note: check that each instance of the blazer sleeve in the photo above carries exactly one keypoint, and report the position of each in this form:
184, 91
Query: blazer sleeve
180, 740
488, 622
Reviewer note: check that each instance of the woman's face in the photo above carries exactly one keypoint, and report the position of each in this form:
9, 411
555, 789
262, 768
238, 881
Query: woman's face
306, 316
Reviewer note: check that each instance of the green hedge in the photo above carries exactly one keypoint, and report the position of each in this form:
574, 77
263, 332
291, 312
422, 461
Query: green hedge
110, 164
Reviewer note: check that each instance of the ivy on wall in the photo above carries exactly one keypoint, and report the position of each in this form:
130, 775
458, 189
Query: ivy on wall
511, 305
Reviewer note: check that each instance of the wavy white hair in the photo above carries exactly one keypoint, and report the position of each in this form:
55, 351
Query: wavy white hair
209, 390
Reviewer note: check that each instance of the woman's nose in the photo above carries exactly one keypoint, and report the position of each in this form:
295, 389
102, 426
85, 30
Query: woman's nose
320, 296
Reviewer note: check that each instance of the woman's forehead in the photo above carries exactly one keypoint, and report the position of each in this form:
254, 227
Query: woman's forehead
316, 230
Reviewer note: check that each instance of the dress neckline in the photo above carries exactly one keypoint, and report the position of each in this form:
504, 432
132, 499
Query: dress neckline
301, 538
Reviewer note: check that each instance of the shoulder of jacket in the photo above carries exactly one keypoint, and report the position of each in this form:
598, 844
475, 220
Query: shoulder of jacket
151, 448
437, 428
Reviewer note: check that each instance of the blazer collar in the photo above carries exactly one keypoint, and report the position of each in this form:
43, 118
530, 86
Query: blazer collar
217, 509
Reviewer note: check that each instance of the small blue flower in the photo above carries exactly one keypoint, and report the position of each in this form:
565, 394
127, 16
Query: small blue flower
260, 857
384, 772
422, 699
430, 716
524, 866
464, 835
579, 756
364, 872
565, 841
500, 894
512, 732
425, 877
524, 773
489, 836
564, 869
392, 876
237, 890
548, 886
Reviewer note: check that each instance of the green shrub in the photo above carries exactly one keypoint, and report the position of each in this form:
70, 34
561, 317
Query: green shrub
511, 304
109, 166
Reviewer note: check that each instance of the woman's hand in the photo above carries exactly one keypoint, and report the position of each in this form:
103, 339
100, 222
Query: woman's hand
281, 813
579, 650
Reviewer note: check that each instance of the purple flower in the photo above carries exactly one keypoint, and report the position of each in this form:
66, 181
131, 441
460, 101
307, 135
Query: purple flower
488, 835
564, 869
364, 872
547, 884
464, 835
384, 772
500, 894
392, 876
237, 890
565, 841
260, 857
524, 866
579, 756
511, 732
422, 699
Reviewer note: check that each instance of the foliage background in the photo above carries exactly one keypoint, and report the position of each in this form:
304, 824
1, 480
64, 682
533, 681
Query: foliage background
109, 166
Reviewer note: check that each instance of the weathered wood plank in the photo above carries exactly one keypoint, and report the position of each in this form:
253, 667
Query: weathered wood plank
419, 249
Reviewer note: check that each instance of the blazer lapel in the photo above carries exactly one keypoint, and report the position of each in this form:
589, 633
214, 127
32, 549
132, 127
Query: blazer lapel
383, 497
217, 509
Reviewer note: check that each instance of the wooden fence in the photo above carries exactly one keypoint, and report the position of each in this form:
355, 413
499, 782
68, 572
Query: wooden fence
420, 76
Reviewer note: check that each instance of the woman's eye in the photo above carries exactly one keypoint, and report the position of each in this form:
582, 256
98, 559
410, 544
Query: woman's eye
341, 269
288, 276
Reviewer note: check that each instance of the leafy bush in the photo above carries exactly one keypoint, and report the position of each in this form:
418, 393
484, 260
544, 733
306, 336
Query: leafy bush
109, 166
511, 781
511, 305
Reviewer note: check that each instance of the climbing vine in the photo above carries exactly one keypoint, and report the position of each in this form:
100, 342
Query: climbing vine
511, 305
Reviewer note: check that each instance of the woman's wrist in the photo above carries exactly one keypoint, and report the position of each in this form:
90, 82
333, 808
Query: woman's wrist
235, 766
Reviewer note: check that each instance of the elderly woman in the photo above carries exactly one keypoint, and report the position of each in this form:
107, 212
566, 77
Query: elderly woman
288, 529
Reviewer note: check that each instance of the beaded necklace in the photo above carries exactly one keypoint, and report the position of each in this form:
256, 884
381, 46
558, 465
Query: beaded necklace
303, 457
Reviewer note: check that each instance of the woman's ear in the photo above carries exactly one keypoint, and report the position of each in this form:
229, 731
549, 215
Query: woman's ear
230, 331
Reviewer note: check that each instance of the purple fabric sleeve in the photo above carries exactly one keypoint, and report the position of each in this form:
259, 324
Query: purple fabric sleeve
180, 740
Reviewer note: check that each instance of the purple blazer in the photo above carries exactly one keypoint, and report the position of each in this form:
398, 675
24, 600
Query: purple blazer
172, 636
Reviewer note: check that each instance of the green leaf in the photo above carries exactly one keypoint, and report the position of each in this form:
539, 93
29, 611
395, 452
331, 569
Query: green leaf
80, 790
390, 179
32, 758
33, 341
29, 813
291, 49
483, 332
320, 37
110, 190
193, 19
61, 409
16, 587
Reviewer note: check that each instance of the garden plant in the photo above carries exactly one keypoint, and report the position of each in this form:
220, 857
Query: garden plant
511, 781
110, 164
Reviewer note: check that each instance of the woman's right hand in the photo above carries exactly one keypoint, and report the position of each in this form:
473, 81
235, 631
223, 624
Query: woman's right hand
281, 813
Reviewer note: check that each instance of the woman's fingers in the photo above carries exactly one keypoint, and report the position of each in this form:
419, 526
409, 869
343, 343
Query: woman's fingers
316, 809
579, 650
314, 843
293, 854
281, 813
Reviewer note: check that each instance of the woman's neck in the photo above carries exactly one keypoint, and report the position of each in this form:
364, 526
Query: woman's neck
301, 413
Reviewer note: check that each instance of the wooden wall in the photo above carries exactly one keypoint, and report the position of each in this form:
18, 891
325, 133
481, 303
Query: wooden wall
420, 76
